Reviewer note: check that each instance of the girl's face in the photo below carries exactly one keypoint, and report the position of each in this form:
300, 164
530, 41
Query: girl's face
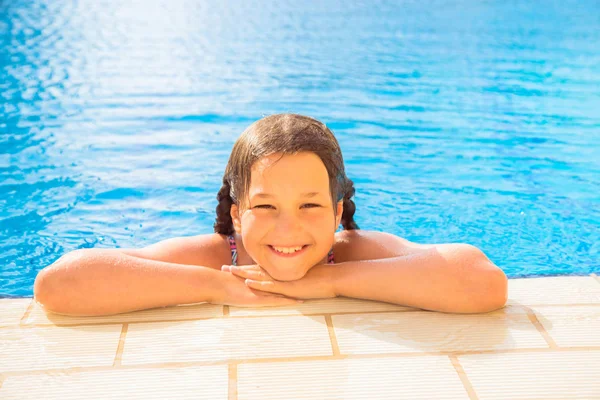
288, 207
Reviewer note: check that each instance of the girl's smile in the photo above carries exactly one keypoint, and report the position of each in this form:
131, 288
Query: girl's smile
288, 251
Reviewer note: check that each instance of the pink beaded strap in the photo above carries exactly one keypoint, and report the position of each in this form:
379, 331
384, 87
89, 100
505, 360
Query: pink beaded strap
330, 257
233, 248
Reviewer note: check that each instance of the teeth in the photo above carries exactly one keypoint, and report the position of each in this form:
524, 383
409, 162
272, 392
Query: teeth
287, 250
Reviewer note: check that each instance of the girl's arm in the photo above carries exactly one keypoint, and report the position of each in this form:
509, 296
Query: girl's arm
102, 282
455, 278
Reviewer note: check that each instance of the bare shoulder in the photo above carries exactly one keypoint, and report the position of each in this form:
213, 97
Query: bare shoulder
207, 250
356, 245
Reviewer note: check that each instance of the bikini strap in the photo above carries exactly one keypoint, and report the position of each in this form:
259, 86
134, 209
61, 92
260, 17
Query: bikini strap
233, 248
330, 257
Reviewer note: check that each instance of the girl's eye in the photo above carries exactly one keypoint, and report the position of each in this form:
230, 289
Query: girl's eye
311, 205
267, 206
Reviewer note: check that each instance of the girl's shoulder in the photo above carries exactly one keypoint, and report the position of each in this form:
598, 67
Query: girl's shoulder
208, 250
357, 244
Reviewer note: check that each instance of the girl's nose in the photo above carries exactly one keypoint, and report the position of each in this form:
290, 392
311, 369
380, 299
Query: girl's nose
287, 222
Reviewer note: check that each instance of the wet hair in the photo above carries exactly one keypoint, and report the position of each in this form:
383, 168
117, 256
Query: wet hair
286, 134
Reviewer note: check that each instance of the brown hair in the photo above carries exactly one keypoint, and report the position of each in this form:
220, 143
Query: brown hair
286, 134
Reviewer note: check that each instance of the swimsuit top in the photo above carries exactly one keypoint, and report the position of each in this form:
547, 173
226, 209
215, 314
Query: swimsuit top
234, 255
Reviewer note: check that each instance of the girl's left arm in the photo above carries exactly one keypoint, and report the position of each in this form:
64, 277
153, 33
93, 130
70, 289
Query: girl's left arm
455, 278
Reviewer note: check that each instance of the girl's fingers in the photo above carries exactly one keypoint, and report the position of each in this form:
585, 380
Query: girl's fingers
272, 299
265, 286
250, 273
234, 270
244, 268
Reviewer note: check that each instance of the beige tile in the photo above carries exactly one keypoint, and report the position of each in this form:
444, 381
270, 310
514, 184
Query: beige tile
12, 310
554, 290
38, 315
45, 348
209, 382
571, 326
226, 338
324, 306
552, 375
423, 331
387, 378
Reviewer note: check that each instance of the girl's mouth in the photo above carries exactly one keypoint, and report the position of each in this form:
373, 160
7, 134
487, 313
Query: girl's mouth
288, 252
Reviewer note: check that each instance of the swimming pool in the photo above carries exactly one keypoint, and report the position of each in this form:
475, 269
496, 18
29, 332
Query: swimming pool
459, 121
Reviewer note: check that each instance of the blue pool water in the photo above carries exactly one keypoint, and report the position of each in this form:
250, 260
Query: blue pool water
460, 121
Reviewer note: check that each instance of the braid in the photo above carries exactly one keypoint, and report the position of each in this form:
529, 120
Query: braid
349, 208
223, 223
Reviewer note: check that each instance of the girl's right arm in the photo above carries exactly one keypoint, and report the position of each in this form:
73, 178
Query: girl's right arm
184, 270
98, 282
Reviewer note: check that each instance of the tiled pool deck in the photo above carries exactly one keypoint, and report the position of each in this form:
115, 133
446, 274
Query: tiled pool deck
545, 344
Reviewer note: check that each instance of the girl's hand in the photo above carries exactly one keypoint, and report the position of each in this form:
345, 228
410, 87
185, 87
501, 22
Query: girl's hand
316, 284
234, 292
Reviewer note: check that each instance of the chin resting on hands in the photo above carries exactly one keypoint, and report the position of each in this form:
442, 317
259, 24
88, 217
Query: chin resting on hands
231, 290
316, 284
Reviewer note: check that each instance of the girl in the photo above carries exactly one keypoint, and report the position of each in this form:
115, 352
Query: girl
284, 194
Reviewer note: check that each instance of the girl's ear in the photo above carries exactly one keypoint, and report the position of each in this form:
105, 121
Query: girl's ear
235, 218
338, 215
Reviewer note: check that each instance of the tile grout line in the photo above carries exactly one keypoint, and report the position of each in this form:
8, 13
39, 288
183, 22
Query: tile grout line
335, 348
232, 379
296, 359
27, 313
538, 325
119, 355
46, 325
463, 377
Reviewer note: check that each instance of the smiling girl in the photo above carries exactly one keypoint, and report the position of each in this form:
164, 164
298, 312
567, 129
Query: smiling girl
285, 193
